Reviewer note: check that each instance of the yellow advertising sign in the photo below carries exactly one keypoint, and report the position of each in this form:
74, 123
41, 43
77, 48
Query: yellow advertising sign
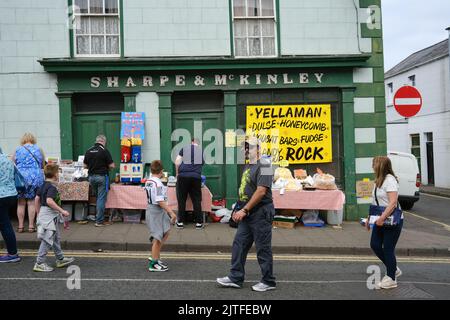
295, 133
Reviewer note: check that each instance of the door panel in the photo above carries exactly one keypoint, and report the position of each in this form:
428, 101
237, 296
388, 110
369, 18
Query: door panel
87, 127
215, 179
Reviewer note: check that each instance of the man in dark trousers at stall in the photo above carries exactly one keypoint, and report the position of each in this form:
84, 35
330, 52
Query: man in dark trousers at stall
188, 166
255, 212
98, 160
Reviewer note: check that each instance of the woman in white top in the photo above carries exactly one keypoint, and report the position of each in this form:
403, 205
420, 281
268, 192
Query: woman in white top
384, 239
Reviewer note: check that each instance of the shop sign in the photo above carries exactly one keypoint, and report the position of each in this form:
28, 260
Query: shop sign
132, 125
299, 134
212, 80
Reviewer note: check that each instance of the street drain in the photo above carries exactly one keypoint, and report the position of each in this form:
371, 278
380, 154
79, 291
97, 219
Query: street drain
406, 291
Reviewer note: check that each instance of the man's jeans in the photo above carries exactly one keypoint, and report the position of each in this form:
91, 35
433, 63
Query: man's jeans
254, 228
98, 184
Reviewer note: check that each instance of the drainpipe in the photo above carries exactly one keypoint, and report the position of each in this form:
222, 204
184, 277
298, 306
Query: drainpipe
448, 29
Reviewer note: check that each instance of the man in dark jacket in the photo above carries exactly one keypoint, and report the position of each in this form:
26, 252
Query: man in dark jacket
189, 165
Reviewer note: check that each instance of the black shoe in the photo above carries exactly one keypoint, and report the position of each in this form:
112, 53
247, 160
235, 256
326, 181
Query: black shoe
179, 225
199, 226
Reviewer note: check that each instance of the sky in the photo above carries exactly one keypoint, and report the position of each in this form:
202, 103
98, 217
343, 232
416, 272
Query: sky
412, 25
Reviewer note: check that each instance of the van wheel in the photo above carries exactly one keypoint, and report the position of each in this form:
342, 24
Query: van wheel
406, 205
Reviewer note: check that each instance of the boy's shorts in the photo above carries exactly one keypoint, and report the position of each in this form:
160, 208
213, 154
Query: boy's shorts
158, 221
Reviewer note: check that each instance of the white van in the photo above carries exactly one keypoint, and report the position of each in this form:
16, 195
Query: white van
407, 171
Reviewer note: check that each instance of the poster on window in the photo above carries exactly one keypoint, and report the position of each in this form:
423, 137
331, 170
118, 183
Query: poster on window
132, 125
298, 134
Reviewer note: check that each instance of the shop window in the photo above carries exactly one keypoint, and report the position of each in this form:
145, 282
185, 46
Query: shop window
85, 103
96, 28
301, 96
415, 148
254, 28
187, 102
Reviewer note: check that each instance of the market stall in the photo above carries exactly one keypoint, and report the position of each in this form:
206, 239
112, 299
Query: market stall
135, 198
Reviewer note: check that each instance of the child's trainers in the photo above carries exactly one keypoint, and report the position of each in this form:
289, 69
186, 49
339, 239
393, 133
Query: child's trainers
42, 267
157, 267
64, 262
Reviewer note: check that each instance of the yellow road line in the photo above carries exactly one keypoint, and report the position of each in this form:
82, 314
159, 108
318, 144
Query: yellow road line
446, 226
200, 256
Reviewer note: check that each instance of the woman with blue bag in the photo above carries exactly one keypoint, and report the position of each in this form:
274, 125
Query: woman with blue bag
8, 198
387, 219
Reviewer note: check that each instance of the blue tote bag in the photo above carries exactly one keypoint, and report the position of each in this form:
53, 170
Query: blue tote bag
391, 221
19, 180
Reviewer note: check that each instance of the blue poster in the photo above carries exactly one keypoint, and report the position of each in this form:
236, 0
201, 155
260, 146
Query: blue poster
132, 125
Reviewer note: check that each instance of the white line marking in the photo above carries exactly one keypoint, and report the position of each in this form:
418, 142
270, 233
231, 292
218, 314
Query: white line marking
214, 281
407, 101
446, 226
219, 257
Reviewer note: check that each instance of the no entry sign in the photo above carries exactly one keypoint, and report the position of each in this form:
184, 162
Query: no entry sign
407, 101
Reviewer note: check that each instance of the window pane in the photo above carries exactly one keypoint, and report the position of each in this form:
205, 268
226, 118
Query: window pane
82, 25
98, 45
239, 8
82, 45
240, 28
80, 6
111, 6
96, 6
112, 25
254, 47
254, 28
268, 28
269, 46
241, 47
253, 8
415, 140
97, 25
112, 45
267, 8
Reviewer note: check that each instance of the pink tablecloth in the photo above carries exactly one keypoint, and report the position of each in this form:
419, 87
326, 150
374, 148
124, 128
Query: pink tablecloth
135, 197
309, 200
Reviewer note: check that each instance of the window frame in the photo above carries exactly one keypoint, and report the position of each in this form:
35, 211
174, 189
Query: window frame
274, 18
102, 15
390, 94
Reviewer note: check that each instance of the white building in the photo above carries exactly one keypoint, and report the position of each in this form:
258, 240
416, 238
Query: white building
426, 135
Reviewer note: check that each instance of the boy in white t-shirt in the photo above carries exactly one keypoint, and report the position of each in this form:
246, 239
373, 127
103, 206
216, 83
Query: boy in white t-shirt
157, 216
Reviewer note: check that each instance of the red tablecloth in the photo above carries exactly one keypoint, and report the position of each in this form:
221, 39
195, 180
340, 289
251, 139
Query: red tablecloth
135, 197
309, 200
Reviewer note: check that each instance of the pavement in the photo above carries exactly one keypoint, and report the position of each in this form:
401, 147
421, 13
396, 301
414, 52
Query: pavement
443, 192
419, 238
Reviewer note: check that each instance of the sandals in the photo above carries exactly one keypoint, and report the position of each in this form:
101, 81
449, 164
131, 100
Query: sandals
31, 230
20, 230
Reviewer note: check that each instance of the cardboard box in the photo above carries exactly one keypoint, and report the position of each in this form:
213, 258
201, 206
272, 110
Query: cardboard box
283, 224
290, 212
131, 172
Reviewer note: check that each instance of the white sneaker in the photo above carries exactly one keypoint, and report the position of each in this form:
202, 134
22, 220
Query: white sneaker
43, 267
388, 283
262, 287
398, 273
64, 262
226, 282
